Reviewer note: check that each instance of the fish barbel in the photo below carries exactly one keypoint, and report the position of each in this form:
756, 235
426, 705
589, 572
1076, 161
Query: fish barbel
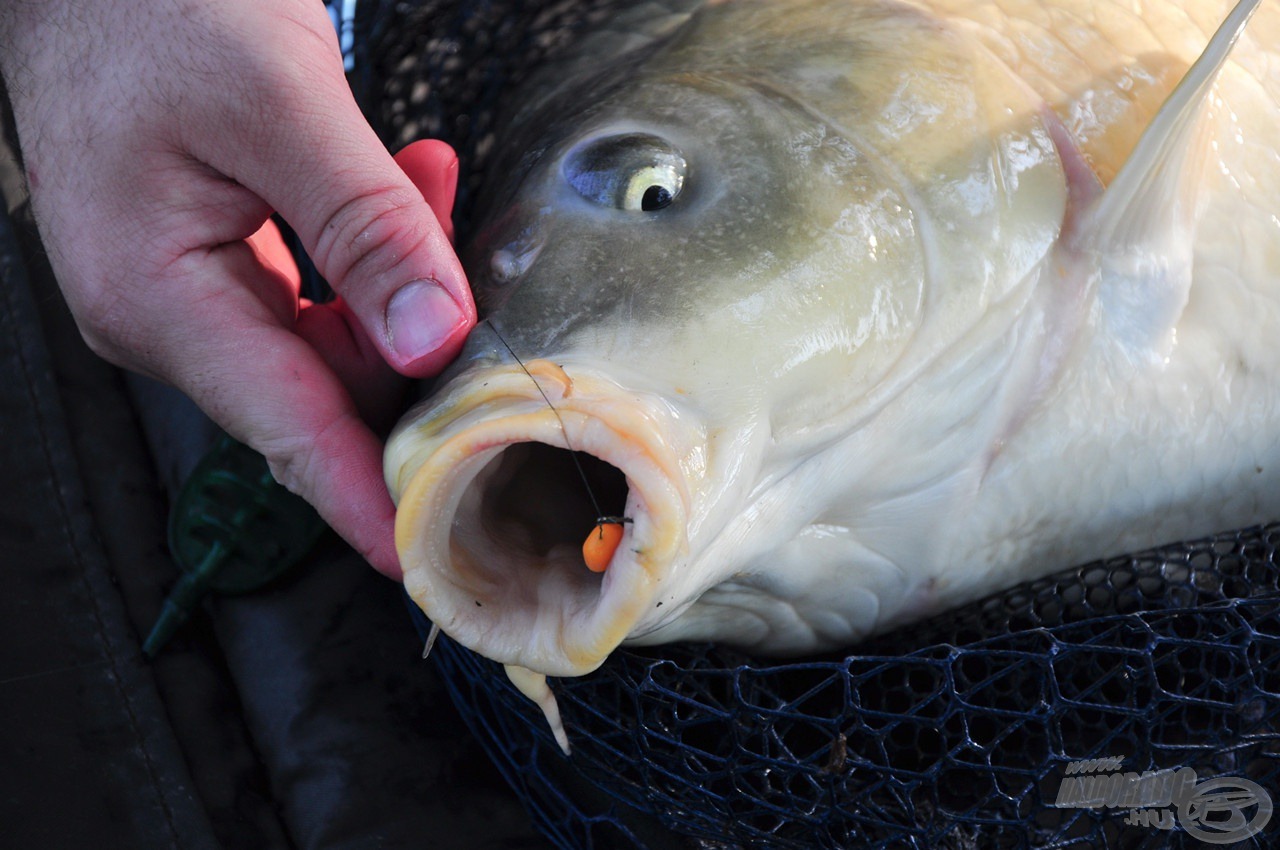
856, 311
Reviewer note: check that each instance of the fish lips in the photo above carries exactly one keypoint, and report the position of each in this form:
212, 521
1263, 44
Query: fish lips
486, 549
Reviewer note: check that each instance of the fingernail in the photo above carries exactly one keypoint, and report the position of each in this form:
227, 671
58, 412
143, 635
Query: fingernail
420, 318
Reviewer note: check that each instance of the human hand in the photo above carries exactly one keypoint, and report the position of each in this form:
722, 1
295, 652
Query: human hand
157, 140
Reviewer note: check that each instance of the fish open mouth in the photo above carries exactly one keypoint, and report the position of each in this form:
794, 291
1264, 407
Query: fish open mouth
538, 499
497, 491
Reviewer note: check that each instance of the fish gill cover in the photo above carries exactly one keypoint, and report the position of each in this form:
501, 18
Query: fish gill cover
955, 733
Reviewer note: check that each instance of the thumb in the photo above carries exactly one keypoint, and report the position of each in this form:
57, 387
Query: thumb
388, 253
370, 231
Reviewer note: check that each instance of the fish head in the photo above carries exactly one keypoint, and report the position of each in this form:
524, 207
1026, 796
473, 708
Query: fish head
720, 255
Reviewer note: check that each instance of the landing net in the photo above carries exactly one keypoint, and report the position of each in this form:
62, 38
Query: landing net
954, 734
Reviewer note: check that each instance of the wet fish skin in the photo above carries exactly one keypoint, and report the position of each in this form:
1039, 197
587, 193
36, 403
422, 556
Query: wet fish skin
894, 344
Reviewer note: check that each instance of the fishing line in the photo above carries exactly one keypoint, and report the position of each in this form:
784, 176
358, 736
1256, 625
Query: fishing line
601, 519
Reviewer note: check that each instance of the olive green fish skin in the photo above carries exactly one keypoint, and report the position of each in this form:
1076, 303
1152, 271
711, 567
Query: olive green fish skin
885, 305
794, 213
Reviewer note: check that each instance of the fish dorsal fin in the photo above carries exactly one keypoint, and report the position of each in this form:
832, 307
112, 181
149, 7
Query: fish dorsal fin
1143, 225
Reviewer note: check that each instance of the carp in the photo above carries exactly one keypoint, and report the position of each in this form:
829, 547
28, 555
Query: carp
843, 313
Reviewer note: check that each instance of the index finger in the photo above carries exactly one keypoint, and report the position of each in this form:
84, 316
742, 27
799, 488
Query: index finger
271, 390
367, 227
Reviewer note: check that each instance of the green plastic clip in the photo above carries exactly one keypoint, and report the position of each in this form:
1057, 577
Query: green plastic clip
232, 530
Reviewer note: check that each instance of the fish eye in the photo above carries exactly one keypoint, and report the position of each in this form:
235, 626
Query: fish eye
635, 172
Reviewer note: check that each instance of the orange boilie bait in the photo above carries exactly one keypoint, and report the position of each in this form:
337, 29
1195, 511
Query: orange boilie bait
601, 543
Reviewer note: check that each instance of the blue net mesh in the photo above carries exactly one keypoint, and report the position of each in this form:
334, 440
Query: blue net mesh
954, 735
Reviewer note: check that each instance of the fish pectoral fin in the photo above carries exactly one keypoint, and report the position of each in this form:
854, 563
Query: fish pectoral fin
1142, 227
